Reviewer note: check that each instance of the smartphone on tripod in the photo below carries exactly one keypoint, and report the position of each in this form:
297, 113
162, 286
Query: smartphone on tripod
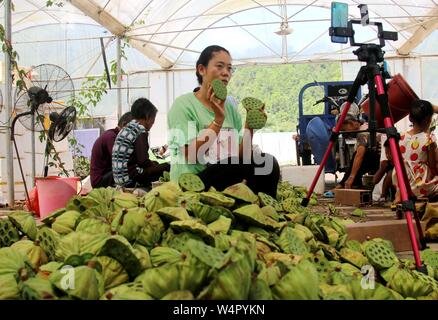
339, 18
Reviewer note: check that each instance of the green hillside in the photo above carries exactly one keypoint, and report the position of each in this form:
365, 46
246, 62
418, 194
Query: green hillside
279, 87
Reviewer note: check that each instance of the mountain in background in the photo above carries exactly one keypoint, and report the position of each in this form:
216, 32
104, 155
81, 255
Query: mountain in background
279, 86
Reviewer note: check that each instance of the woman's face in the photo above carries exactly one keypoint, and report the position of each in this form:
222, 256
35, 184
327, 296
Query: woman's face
147, 123
219, 67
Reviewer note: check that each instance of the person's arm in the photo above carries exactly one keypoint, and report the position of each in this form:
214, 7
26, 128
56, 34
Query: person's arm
360, 152
380, 172
214, 127
141, 154
432, 158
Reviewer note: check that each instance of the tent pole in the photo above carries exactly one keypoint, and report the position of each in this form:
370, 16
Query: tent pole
8, 104
119, 78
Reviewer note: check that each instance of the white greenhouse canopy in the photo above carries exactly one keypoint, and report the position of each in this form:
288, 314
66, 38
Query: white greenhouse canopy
172, 33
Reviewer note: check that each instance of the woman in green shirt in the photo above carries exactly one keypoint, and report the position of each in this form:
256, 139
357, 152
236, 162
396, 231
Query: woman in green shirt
206, 136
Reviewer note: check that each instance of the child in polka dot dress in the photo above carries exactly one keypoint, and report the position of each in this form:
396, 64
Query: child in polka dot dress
419, 150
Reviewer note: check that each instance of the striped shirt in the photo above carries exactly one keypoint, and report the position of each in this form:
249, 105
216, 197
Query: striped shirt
122, 150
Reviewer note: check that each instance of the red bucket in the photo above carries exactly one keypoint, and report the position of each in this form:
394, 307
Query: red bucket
53, 193
400, 98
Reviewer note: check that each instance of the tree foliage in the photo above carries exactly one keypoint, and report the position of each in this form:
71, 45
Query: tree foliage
279, 86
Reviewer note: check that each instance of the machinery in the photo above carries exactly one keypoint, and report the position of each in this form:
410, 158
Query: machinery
313, 130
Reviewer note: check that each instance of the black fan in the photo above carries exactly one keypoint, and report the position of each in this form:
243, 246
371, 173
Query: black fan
48, 89
60, 126
57, 91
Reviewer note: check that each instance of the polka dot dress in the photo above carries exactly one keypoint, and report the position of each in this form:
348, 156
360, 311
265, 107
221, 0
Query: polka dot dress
414, 149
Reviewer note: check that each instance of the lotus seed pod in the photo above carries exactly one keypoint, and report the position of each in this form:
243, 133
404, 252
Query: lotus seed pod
219, 89
190, 182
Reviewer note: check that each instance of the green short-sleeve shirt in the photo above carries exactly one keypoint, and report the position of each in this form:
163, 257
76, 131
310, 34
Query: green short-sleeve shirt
186, 120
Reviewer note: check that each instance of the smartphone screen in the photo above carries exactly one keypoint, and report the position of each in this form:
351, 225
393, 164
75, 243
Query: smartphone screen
339, 19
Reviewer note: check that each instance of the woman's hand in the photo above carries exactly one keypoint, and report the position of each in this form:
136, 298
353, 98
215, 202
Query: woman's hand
217, 105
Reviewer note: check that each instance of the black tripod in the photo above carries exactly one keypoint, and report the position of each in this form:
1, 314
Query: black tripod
371, 74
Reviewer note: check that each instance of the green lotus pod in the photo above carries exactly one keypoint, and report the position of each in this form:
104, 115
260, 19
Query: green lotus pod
379, 255
123, 200
129, 222
259, 231
331, 237
93, 226
164, 255
103, 195
50, 266
49, 241
388, 244
188, 198
32, 251
79, 243
275, 258
290, 243
270, 275
119, 248
222, 242
300, 283
290, 205
219, 89
430, 258
242, 192
131, 295
157, 282
226, 213
308, 235
336, 292
341, 241
358, 213
152, 230
178, 241
179, 295
24, 222
194, 227
259, 290
83, 282
217, 199
205, 212
80, 203
211, 256
190, 182
14, 263
329, 252
8, 233
192, 274
48, 220
360, 293
250, 103
406, 283
252, 214
221, 225
142, 254
223, 287
270, 212
37, 289
162, 196
113, 272
173, 214
256, 119
9, 289
66, 222
353, 245
387, 274
338, 225
426, 279
267, 200
298, 218
126, 288
355, 258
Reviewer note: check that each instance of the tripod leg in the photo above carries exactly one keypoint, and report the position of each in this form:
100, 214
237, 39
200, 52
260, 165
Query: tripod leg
408, 206
351, 96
